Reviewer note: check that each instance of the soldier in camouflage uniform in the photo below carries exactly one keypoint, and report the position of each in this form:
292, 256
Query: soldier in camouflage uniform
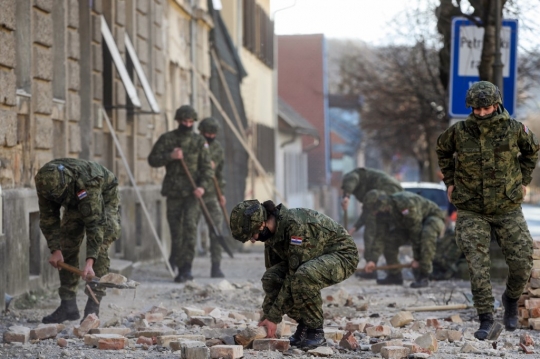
182, 203
358, 183
88, 193
305, 251
404, 218
487, 160
209, 128
448, 257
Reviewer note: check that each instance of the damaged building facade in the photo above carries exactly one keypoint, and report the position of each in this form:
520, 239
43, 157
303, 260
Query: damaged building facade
100, 80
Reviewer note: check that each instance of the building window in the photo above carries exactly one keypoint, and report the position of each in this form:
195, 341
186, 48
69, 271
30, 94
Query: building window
266, 147
258, 32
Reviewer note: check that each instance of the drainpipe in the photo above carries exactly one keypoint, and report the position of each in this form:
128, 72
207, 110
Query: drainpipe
193, 50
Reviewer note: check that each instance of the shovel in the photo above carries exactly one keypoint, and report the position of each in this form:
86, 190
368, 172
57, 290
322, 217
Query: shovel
209, 221
389, 266
110, 280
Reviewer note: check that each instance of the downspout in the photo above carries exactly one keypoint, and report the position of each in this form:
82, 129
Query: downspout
193, 50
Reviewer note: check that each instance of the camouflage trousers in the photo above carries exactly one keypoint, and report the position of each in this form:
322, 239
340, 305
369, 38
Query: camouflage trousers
423, 251
182, 215
216, 214
73, 230
298, 294
473, 235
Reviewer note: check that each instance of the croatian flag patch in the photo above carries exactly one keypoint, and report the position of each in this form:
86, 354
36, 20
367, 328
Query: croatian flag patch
82, 194
297, 241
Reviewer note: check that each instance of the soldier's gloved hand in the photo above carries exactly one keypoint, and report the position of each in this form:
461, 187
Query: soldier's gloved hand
213, 165
88, 271
450, 190
352, 230
199, 192
415, 264
370, 267
56, 257
222, 200
270, 328
345, 203
177, 154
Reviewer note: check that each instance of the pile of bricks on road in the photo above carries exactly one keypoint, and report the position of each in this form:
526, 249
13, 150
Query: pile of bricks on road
529, 302
204, 333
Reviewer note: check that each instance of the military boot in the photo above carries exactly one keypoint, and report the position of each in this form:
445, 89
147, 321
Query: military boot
510, 312
391, 279
66, 311
486, 322
299, 335
421, 282
184, 274
364, 275
314, 338
91, 308
216, 271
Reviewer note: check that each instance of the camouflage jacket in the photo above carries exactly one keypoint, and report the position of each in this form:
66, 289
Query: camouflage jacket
487, 162
302, 235
362, 180
94, 182
217, 155
407, 215
196, 156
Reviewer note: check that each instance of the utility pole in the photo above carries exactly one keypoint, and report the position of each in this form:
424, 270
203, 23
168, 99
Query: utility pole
497, 63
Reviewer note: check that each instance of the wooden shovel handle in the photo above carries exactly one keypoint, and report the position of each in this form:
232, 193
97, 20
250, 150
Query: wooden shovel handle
73, 269
390, 266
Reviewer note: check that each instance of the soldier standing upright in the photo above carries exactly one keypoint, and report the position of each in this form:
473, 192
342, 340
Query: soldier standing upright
305, 251
404, 218
209, 128
88, 192
487, 160
358, 183
183, 209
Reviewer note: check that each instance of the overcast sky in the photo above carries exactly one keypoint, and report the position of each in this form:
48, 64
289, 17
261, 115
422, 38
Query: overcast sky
369, 20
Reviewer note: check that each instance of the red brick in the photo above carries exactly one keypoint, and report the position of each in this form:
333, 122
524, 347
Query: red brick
44, 331
17, 334
90, 322
349, 342
433, 323
379, 331
376, 348
145, 340
394, 352
534, 313
112, 343
62, 343
271, 344
226, 351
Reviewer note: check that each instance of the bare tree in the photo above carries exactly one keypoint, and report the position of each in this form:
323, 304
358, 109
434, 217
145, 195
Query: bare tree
404, 103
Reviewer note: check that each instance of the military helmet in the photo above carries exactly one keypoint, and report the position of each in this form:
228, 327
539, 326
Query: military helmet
483, 94
185, 112
246, 219
376, 200
209, 125
52, 181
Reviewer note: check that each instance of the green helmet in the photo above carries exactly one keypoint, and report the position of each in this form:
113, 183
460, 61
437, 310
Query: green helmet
52, 181
185, 112
376, 200
246, 219
209, 125
483, 94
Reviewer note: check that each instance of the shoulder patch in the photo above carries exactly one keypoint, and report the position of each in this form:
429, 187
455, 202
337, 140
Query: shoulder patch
86, 209
295, 240
82, 194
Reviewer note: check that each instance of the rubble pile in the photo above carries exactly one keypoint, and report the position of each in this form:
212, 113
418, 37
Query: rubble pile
529, 302
219, 320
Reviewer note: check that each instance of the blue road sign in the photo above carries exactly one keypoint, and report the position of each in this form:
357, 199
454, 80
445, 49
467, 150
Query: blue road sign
467, 40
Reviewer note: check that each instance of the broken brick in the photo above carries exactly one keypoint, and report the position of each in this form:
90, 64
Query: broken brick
17, 334
379, 331
44, 331
271, 344
394, 352
428, 341
112, 343
226, 351
349, 342
90, 322
401, 319
376, 348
